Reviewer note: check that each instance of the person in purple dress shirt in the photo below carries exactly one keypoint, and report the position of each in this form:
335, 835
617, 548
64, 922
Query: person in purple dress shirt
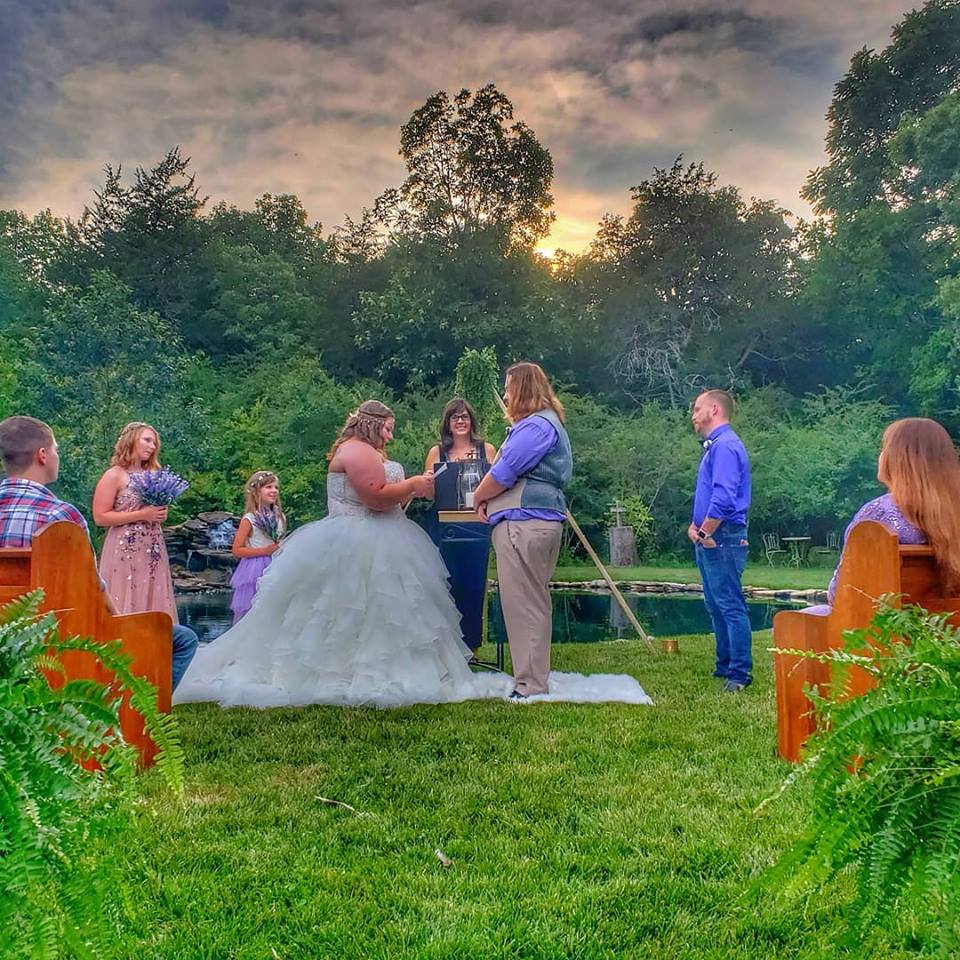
718, 532
920, 468
522, 498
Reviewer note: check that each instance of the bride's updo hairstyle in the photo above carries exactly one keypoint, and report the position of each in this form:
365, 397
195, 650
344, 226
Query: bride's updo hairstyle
365, 423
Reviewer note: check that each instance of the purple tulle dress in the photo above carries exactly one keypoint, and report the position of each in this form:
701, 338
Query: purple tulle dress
249, 571
882, 510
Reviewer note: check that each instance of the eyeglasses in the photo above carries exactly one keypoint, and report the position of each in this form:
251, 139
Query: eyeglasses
460, 416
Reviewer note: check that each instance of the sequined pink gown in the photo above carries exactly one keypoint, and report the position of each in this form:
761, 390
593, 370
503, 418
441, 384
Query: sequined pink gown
134, 564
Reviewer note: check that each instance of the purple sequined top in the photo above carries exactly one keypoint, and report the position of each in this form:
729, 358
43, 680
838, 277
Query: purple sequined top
884, 511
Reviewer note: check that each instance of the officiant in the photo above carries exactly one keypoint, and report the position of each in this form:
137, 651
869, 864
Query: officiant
464, 544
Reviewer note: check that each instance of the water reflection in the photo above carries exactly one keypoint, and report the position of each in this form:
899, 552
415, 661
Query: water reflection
577, 617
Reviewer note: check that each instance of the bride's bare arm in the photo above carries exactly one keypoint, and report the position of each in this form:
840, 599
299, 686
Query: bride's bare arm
364, 469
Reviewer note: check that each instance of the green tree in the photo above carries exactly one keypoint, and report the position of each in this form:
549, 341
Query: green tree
914, 73
151, 236
97, 362
470, 168
256, 297
693, 287
872, 270
478, 382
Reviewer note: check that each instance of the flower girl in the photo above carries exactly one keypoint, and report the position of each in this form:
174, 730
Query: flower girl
257, 539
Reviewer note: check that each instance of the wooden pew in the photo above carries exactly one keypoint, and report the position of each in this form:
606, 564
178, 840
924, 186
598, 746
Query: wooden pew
873, 563
62, 563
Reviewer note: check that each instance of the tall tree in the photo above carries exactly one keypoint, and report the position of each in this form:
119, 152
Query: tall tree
470, 168
151, 236
693, 286
919, 67
875, 268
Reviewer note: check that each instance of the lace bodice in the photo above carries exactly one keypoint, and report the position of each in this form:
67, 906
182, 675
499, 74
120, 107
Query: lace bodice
884, 510
342, 499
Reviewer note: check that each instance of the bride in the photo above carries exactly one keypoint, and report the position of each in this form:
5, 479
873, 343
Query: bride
355, 609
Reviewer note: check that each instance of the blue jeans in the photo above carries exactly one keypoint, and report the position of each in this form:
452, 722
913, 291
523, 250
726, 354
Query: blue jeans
184, 647
721, 568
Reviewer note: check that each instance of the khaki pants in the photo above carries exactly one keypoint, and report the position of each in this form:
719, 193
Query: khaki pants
526, 557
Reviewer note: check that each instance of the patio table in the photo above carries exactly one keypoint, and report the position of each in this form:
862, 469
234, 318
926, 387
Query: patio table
798, 549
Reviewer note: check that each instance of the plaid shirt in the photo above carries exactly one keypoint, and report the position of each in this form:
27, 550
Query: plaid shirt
26, 507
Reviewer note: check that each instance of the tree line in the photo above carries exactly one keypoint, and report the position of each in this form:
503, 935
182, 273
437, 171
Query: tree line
245, 334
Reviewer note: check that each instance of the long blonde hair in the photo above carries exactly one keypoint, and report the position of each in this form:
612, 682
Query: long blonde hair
124, 450
364, 423
530, 392
920, 467
251, 494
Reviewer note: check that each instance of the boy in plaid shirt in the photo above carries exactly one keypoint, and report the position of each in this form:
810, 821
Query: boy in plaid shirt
31, 460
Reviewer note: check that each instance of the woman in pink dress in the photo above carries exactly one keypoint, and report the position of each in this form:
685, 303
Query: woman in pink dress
133, 562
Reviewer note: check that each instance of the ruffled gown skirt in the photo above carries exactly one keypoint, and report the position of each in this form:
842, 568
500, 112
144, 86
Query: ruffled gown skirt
353, 610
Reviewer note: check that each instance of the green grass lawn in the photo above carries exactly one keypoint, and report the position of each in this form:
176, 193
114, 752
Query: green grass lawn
755, 575
581, 831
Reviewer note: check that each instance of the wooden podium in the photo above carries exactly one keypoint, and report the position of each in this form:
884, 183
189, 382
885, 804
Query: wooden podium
459, 516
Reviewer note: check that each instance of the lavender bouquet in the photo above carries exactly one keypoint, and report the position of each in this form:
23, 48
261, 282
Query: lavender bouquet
268, 520
158, 488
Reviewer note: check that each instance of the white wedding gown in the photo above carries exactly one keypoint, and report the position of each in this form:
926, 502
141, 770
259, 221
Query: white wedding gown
354, 610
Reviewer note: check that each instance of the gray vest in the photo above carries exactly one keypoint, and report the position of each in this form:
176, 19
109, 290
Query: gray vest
542, 488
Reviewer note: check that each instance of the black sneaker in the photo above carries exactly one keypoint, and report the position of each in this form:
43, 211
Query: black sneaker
517, 696
734, 686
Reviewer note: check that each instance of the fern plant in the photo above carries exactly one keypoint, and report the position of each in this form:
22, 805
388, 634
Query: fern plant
885, 775
51, 805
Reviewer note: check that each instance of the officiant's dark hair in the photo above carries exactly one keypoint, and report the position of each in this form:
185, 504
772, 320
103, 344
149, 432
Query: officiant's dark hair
364, 424
455, 406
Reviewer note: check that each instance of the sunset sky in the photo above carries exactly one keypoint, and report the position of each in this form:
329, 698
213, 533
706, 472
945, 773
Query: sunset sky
307, 96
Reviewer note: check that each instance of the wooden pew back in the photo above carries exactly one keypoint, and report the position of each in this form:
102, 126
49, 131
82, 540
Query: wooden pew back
61, 562
873, 563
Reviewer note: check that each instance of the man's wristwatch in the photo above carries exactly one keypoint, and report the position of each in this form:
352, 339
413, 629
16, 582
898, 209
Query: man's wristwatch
702, 534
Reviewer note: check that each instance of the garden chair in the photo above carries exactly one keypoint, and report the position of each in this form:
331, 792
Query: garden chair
832, 548
771, 547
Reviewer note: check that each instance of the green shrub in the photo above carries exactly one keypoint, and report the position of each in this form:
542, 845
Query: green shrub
51, 807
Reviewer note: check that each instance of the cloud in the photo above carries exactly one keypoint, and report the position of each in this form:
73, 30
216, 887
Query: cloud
307, 96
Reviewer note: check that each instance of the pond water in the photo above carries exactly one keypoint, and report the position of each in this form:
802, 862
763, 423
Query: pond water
578, 617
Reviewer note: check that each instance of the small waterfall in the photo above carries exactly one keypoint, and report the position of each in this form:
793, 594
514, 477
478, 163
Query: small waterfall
220, 537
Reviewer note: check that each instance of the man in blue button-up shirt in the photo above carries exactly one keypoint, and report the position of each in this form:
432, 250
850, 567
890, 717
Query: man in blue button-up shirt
719, 534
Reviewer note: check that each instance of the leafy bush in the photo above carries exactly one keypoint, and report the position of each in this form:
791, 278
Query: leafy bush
51, 806
885, 774
638, 516
477, 380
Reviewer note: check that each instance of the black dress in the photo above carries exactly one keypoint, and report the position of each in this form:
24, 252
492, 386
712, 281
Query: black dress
465, 548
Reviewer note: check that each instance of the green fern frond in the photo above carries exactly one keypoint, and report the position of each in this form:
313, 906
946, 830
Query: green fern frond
51, 806
883, 770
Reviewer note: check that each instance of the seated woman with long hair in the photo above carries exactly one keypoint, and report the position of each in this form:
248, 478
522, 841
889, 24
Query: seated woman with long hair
920, 468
